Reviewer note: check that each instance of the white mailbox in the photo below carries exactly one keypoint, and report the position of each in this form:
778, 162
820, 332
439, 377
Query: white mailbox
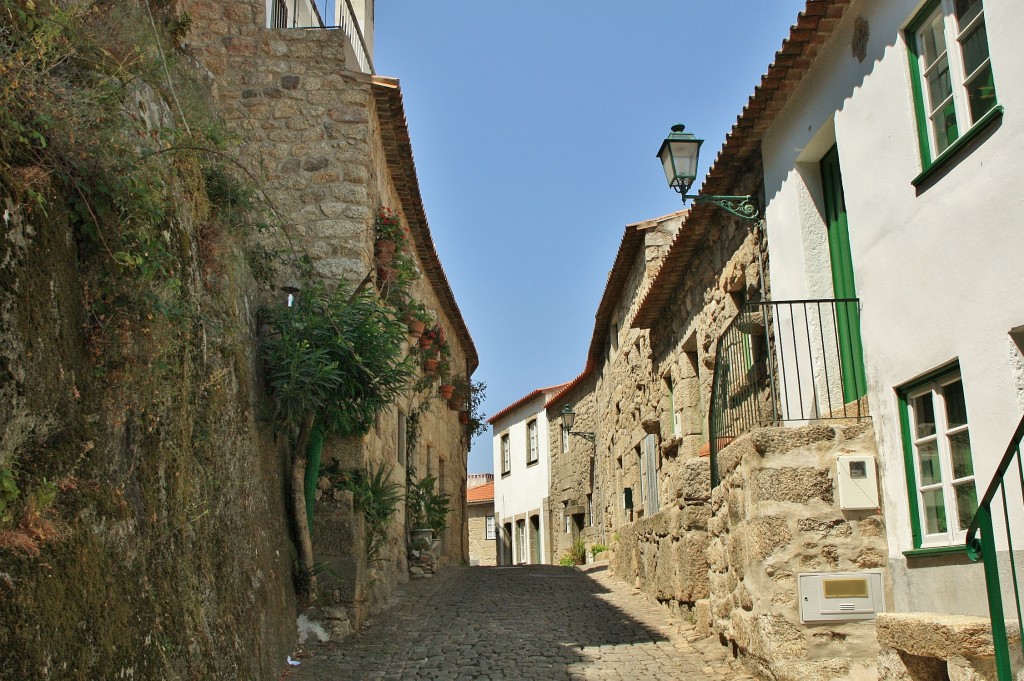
839, 596
858, 483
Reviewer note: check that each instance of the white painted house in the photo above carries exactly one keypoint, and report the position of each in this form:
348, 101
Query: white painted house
355, 18
894, 175
522, 471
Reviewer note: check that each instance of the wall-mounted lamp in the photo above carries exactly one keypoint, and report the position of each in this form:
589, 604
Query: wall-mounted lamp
679, 153
569, 420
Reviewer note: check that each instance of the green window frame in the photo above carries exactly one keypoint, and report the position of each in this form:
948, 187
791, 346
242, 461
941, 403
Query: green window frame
951, 74
941, 485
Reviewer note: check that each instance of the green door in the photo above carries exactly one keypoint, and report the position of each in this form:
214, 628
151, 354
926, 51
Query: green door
851, 352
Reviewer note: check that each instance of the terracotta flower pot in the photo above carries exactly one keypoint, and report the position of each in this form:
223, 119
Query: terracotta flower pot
386, 274
446, 391
384, 249
430, 366
426, 342
464, 417
416, 326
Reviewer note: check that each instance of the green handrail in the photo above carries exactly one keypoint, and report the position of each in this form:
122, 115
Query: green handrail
981, 546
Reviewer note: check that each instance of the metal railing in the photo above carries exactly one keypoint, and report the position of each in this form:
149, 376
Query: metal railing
981, 546
789, 360
324, 14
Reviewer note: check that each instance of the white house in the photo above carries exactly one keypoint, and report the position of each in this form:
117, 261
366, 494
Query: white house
522, 471
355, 18
893, 176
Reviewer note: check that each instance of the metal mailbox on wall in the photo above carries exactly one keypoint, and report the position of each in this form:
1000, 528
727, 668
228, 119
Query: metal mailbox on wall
839, 596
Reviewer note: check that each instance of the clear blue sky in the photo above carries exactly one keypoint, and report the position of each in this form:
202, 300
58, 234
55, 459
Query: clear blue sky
535, 125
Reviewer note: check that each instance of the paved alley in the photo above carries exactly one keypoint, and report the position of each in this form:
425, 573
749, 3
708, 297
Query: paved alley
530, 622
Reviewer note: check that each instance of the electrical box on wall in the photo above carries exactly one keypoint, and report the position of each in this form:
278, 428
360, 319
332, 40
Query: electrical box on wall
839, 596
858, 483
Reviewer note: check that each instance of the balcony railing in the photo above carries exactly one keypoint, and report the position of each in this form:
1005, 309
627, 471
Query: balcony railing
324, 14
981, 545
786, 361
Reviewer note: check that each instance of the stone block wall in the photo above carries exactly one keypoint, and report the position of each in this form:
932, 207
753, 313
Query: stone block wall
776, 514
312, 133
482, 551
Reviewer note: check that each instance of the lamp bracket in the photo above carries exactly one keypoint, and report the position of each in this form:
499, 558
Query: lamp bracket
740, 206
585, 435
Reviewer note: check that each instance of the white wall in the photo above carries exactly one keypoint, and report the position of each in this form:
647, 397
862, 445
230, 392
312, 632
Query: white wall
938, 271
300, 13
524, 488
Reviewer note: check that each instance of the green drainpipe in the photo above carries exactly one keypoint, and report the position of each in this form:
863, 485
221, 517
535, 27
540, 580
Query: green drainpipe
316, 447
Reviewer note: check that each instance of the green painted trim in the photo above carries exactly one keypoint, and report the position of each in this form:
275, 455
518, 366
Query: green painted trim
936, 551
943, 158
913, 57
908, 463
908, 448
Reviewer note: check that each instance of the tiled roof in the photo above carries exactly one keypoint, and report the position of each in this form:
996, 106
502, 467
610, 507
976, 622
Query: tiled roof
523, 400
398, 152
478, 495
739, 153
614, 290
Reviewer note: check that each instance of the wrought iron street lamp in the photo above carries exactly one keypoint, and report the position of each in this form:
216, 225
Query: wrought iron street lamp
569, 420
679, 153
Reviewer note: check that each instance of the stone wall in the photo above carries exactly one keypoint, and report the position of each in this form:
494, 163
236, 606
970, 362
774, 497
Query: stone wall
482, 551
776, 514
312, 132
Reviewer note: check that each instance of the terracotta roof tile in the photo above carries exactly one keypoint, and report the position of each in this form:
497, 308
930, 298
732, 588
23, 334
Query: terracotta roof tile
478, 495
523, 400
739, 152
398, 153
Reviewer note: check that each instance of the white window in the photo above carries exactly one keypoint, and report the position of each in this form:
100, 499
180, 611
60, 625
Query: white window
489, 527
532, 447
953, 83
940, 464
506, 455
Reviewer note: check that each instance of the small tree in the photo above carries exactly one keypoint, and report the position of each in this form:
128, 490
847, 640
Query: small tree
334, 359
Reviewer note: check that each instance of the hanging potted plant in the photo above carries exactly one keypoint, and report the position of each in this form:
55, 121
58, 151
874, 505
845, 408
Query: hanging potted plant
416, 318
446, 390
389, 235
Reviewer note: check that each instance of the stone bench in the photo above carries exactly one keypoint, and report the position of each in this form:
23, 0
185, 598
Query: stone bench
919, 646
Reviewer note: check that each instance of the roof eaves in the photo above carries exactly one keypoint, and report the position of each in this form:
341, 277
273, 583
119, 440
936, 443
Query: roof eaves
814, 25
402, 167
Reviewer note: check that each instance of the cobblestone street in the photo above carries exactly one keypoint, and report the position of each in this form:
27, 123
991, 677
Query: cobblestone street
531, 622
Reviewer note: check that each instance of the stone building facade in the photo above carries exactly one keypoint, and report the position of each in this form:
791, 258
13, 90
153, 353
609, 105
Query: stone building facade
593, 467
483, 544
330, 146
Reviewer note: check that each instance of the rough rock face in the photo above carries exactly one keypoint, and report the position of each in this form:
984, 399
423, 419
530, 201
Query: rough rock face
774, 515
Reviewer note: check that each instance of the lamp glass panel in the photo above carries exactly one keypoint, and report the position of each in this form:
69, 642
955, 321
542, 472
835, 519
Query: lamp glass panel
568, 419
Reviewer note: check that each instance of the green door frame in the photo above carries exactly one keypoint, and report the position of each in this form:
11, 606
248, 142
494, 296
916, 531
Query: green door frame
851, 350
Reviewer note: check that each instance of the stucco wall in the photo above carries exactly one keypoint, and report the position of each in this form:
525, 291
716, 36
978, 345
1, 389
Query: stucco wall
935, 265
521, 492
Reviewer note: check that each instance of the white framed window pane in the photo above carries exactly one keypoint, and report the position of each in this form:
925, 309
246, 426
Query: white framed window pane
929, 470
981, 93
489, 531
933, 39
956, 408
960, 454
924, 416
933, 508
966, 11
974, 48
966, 504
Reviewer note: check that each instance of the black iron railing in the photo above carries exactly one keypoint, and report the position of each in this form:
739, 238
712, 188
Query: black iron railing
789, 360
981, 545
324, 14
